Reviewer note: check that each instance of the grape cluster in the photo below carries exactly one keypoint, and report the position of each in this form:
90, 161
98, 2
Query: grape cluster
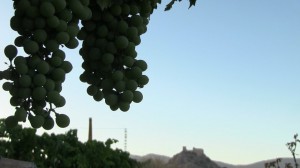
110, 63
35, 79
110, 32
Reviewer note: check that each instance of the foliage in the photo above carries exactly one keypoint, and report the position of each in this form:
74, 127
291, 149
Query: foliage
170, 4
292, 146
61, 150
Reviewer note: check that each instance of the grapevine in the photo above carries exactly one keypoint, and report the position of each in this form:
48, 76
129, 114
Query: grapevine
110, 31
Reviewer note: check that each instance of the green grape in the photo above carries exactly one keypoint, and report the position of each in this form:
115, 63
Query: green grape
53, 96
62, 120
127, 96
24, 93
94, 53
11, 122
59, 53
21, 68
66, 15
122, 26
120, 86
49, 85
39, 79
58, 74
98, 96
47, 9
48, 123
107, 84
19, 41
15, 101
25, 81
137, 96
58, 86
52, 45
33, 61
136, 20
30, 47
110, 47
121, 42
43, 67
61, 102
59, 5
134, 9
107, 58
36, 121
102, 31
131, 85
132, 33
66, 66
72, 30
128, 61
7, 86
62, 37
92, 90
72, 43
55, 61
10, 51
20, 60
114, 107
63, 25
124, 106
117, 75
111, 99
116, 10
20, 114
39, 93
143, 80
39, 22
53, 21
40, 35
136, 72
141, 64
125, 9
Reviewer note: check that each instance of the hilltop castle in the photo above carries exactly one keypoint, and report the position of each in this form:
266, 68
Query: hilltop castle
198, 151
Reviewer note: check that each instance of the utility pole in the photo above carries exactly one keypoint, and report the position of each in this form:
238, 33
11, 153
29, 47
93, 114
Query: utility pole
125, 139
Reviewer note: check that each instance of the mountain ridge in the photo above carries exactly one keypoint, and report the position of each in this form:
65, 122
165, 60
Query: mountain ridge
258, 164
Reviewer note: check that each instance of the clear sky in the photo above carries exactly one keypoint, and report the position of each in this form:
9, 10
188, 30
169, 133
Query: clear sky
224, 76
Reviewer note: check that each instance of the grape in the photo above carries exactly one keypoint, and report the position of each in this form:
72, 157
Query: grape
53, 21
121, 42
36, 121
39, 79
20, 114
137, 96
48, 123
62, 120
7, 86
62, 37
92, 90
59, 5
10, 51
30, 46
47, 9
127, 96
39, 93
43, 67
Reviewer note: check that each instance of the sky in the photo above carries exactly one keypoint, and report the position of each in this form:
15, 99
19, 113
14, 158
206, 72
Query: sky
224, 76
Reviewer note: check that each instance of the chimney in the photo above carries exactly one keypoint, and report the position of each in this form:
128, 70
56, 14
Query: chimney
90, 130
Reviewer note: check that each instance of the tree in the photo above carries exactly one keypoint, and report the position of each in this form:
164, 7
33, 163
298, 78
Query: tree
62, 150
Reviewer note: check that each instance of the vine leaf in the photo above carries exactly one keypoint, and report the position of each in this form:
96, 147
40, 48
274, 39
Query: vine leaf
192, 3
170, 4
